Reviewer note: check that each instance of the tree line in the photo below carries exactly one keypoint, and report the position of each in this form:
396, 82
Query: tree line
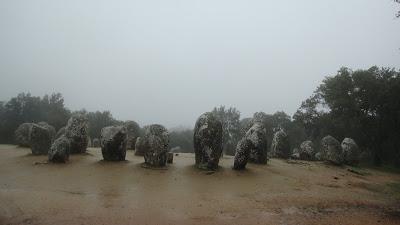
361, 104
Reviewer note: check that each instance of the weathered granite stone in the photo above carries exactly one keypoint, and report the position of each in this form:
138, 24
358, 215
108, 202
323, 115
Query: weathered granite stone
113, 143
22, 134
51, 129
155, 143
139, 147
280, 145
331, 150
40, 140
96, 143
77, 131
170, 157
133, 130
59, 151
295, 154
60, 132
207, 140
307, 150
351, 152
252, 147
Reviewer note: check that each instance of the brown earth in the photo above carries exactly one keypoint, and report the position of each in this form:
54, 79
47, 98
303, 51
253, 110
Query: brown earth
90, 191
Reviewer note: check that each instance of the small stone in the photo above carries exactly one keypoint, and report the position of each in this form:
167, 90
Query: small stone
351, 152
331, 150
170, 157
307, 151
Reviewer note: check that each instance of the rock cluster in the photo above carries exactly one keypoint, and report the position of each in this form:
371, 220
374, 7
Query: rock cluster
40, 139
59, 151
22, 134
207, 141
77, 132
113, 143
280, 145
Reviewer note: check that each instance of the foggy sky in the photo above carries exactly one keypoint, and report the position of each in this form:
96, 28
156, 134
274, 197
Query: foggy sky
168, 61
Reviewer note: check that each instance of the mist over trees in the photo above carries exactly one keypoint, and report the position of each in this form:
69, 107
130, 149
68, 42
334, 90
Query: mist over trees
362, 104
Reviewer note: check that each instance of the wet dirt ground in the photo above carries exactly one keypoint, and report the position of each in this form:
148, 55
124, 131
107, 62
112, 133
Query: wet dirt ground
87, 190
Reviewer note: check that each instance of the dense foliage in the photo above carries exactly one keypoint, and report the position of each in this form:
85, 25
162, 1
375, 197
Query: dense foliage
363, 105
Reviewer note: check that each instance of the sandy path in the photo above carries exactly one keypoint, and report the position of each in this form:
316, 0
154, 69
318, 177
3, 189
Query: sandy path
89, 191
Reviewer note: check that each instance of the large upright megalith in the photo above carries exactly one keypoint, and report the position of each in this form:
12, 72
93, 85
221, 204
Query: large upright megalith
77, 131
331, 150
22, 134
59, 151
307, 150
207, 140
133, 132
40, 139
280, 144
155, 145
351, 152
252, 147
113, 143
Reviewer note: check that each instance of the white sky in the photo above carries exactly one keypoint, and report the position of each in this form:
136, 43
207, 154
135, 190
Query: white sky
159, 61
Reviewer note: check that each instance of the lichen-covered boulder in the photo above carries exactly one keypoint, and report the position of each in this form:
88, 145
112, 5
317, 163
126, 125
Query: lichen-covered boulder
113, 143
51, 129
331, 150
60, 132
22, 134
280, 145
59, 151
307, 150
155, 145
77, 131
40, 140
139, 147
351, 152
133, 130
207, 140
96, 143
252, 147
295, 154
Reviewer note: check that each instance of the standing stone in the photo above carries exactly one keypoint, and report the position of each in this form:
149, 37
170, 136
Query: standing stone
77, 131
40, 140
155, 145
252, 147
207, 140
351, 152
295, 154
331, 150
113, 143
133, 130
51, 129
307, 150
22, 134
60, 132
96, 143
280, 145
139, 147
59, 151
170, 157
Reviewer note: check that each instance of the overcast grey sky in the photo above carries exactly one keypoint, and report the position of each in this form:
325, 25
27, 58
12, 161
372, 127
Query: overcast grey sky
168, 61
